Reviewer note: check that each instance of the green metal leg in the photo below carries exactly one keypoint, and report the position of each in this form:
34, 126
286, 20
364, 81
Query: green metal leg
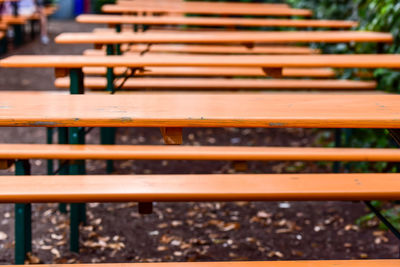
118, 28
338, 143
107, 135
78, 214
76, 136
18, 34
23, 220
63, 139
50, 163
3, 45
33, 29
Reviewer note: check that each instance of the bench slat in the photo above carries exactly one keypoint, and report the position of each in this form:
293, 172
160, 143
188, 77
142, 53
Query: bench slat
200, 110
211, 49
215, 72
99, 83
239, 187
196, 21
141, 152
270, 61
314, 263
226, 37
204, 9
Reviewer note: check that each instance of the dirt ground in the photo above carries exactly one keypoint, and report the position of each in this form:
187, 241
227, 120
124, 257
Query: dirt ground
188, 231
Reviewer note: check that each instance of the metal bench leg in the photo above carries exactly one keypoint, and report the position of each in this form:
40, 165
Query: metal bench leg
63, 166
3, 45
107, 135
18, 35
76, 136
23, 220
118, 28
338, 143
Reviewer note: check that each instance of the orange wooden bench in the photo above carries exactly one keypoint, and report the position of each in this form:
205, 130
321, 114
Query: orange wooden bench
246, 38
208, 49
214, 72
201, 110
221, 153
201, 21
260, 61
272, 65
202, 3
205, 8
99, 83
343, 263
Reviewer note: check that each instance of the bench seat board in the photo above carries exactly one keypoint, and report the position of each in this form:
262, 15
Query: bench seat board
200, 110
237, 187
99, 83
211, 49
196, 21
215, 72
270, 61
129, 152
204, 9
208, 3
314, 263
226, 37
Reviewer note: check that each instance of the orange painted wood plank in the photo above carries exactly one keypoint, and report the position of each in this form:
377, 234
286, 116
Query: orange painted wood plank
205, 9
314, 263
167, 188
100, 83
325, 263
141, 152
225, 37
201, 110
201, 21
268, 61
215, 72
204, 3
209, 49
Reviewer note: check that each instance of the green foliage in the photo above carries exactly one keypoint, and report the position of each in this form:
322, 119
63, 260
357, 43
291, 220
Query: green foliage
373, 15
97, 4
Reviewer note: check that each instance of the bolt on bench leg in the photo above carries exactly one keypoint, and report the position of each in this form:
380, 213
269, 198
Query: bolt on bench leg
23, 220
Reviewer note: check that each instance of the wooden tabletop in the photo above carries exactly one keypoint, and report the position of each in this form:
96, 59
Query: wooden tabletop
210, 21
195, 8
225, 37
270, 61
200, 110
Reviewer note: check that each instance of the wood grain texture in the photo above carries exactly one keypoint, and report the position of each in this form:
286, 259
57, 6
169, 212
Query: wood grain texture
226, 37
205, 9
207, 3
198, 21
314, 263
238, 187
272, 61
210, 49
100, 83
200, 110
215, 72
140, 152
